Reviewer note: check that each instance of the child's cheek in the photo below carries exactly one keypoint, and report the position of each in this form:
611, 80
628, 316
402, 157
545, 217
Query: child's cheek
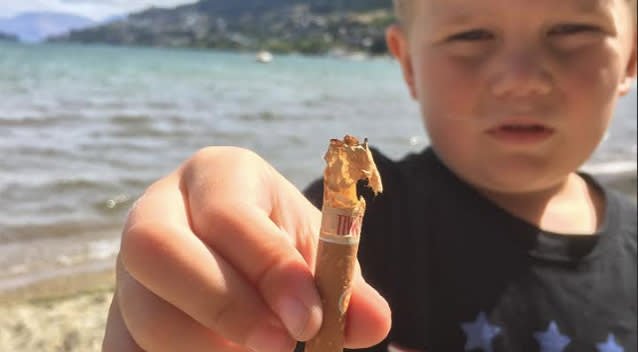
448, 88
447, 94
595, 71
588, 81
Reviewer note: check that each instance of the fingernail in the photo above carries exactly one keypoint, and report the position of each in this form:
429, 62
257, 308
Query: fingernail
270, 339
294, 314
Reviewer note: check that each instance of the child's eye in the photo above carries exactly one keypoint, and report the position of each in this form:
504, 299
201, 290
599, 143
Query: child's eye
567, 29
473, 35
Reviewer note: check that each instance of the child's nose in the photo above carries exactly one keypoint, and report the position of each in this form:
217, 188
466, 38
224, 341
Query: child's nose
520, 74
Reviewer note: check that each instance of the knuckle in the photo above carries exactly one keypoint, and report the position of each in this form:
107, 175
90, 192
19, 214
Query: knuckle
139, 240
144, 325
212, 166
228, 318
218, 219
273, 268
218, 213
221, 312
151, 322
140, 208
223, 218
208, 155
201, 157
146, 335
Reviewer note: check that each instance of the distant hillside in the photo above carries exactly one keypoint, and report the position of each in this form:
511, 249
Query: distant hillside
306, 26
8, 37
36, 26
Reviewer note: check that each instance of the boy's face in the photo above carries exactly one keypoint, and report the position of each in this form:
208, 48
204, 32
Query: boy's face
517, 94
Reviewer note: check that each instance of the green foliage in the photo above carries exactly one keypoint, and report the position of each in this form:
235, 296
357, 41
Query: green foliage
306, 26
384, 21
311, 45
277, 45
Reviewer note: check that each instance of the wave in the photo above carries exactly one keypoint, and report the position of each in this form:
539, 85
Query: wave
32, 121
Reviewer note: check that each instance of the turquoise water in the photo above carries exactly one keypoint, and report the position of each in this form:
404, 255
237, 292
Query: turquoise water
84, 129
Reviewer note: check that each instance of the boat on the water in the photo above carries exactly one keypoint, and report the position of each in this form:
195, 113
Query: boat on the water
264, 57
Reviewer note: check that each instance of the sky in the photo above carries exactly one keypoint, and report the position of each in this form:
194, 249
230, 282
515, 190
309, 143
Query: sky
94, 9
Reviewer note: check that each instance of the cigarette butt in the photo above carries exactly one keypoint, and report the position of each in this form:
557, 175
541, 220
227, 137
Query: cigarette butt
342, 216
336, 258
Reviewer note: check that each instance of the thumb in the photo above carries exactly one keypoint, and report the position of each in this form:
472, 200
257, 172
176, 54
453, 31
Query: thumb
369, 317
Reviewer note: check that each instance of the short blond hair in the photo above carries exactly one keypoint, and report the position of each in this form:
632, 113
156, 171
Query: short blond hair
402, 10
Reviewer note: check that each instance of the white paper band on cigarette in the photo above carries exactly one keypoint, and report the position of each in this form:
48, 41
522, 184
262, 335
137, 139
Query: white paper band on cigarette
341, 226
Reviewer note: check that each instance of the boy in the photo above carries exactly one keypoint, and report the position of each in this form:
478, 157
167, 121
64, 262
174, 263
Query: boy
487, 241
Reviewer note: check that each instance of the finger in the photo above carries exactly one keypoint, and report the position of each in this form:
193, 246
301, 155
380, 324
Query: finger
267, 256
369, 317
116, 336
264, 254
160, 327
168, 259
240, 229
283, 273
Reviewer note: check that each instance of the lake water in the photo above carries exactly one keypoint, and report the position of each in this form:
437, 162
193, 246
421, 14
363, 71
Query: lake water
84, 129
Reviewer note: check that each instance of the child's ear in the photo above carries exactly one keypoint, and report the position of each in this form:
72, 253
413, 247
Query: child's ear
398, 45
630, 73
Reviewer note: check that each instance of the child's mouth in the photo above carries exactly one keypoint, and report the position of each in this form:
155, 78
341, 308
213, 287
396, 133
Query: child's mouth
523, 133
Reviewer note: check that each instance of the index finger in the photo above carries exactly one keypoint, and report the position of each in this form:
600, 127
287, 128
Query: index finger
271, 238
231, 213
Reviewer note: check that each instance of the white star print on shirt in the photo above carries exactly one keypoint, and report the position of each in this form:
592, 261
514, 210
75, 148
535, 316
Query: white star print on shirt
480, 333
610, 345
552, 340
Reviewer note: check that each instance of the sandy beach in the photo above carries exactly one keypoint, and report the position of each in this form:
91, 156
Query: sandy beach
63, 315
68, 324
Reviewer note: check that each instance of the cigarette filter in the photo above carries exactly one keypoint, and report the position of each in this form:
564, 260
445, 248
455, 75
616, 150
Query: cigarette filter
347, 162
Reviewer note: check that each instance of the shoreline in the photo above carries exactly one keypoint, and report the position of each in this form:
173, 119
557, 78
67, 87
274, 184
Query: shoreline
60, 287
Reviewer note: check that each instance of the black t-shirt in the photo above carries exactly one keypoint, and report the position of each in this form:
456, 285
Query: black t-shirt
462, 274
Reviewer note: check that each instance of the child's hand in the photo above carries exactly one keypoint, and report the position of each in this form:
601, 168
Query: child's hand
218, 256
